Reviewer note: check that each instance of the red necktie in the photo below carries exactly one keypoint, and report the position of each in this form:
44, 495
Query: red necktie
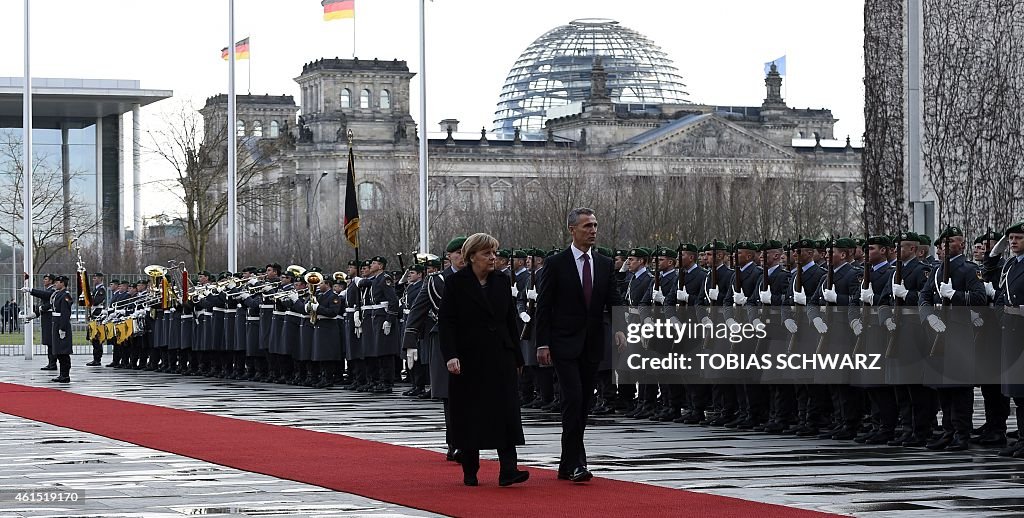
588, 283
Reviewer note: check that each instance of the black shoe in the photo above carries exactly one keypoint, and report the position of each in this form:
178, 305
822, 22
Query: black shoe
514, 477
990, 438
415, 391
915, 442
900, 439
581, 474
383, 388
864, 437
941, 442
844, 435
808, 431
94, 363
1010, 450
61, 379
693, 418
774, 427
50, 367
960, 443
470, 480
721, 420
735, 422
111, 364
424, 395
563, 475
880, 438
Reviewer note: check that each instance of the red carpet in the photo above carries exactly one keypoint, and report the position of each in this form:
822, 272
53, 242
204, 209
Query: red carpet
406, 476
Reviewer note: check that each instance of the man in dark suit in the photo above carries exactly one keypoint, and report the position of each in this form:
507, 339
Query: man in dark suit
576, 289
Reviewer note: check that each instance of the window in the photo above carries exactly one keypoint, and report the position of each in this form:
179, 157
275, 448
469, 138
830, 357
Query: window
346, 98
385, 100
371, 196
467, 199
364, 99
499, 200
257, 128
275, 130
240, 128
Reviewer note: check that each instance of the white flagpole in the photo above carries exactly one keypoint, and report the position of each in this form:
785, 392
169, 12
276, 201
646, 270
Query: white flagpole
424, 213
232, 183
26, 139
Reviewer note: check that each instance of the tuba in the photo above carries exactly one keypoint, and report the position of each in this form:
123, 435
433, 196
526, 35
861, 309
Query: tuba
313, 279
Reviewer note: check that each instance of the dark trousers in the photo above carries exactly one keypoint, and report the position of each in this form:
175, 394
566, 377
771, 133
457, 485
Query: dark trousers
957, 409
506, 457
783, 403
698, 397
997, 408
383, 368
851, 405
527, 388
97, 350
757, 402
606, 385
724, 397
576, 382
51, 359
922, 399
883, 408
64, 361
673, 396
545, 382
419, 374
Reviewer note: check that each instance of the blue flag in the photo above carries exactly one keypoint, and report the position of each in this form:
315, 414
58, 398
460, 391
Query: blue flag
780, 65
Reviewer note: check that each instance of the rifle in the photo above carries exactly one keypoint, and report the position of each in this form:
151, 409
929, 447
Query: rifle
798, 283
714, 284
830, 281
865, 284
765, 282
897, 278
940, 341
531, 308
657, 283
679, 279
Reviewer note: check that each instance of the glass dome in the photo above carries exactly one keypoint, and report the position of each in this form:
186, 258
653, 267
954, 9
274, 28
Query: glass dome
555, 71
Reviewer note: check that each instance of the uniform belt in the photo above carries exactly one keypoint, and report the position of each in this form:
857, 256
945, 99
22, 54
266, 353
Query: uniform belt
279, 313
350, 310
634, 311
184, 316
293, 314
1014, 310
406, 311
220, 310
376, 306
320, 317
251, 319
231, 310
266, 306
55, 314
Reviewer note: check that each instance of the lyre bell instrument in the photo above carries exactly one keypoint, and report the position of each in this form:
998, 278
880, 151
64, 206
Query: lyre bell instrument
340, 277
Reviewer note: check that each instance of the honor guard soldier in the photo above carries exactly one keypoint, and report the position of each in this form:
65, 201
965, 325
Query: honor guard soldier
380, 319
872, 339
924, 251
997, 405
43, 311
663, 294
607, 392
638, 294
689, 292
776, 299
60, 302
99, 300
418, 374
1010, 300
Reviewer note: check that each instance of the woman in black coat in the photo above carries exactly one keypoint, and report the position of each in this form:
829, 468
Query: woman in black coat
477, 322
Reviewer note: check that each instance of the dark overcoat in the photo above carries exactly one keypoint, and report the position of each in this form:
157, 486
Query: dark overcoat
477, 325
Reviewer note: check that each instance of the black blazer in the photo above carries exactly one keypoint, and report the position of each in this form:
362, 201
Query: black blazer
564, 323
474, 322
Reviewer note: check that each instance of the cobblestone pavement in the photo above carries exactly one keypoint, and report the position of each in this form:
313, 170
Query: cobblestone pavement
121, 479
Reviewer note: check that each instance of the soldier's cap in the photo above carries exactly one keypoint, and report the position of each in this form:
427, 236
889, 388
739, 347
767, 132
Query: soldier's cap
639, 252
335, 280
251, 269
605, 251
860, 242
908, 236
418, 268
238, 275
949, 232
505, 252
520, 253
987, 236
663, 251
924, 239
365, 263
821, 244
771, 244
380, 259
845, 242
455, 244
115, 281
535, 252
61, 278
142, 281
746, 245
552, 252
434, 263
97, 274
1017, 228
49, 276
223, 275
621, 253
316, 269
715, 244
879, 241
354, 263
687, 247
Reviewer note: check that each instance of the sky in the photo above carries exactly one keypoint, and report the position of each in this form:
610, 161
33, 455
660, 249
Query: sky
718, 47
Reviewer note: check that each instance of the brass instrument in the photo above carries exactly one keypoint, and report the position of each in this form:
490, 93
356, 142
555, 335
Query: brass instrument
340, 277
313, 279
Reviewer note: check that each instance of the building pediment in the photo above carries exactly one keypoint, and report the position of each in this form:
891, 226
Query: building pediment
704, 136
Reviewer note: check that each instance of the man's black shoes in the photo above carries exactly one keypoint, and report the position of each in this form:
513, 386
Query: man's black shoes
514, 477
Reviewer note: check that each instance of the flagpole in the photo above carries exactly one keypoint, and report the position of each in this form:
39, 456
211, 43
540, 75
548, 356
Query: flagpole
232, 183
424, 215
26, 140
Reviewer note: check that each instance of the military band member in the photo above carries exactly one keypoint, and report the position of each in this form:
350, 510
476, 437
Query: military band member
98, 297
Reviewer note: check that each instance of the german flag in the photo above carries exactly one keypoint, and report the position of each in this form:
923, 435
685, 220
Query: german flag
241, 50
338, 9
351, 205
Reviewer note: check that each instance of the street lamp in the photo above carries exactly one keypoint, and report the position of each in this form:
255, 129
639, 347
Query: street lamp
310, 196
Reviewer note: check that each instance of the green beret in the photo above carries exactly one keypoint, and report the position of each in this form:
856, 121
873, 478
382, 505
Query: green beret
605, 251
924, 239
552, 252
434, 263
419, 268
715, 244
621, 253
380, 259
987, 236
455, 244
664, 251
746, 245
1015, 229
505, 252
845, 242
536, 252
771, 244
879, 241
115, 281
821, 244
639, 252
520, 254
908, 236
251, 269
365, 262
860, 242
687, 247
805, 243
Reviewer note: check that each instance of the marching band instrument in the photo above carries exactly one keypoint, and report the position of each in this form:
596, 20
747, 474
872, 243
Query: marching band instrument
313, 279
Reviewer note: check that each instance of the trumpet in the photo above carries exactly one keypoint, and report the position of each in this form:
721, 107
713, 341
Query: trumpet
313, 279
281, 295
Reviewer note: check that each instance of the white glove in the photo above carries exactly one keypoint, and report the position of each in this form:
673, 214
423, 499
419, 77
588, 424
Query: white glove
867, 296
357, 321
857, 326
253, 281
738, 298
999, 248
648, 321
730, 322
890, 324
25, 289
531, 294
976, 319
31, 316
900, 290
990, 290
790, 325
831, 295
946, 290
386, 327
713, 294
625, 267
525, 317
800, 297
172, 310
766, 296
659, 297
936, 324
674, 321
515, 291
706, 321
820, 325
356, 281
411, 355
268, 288
293, 296
757, 323
62, 334
682, 296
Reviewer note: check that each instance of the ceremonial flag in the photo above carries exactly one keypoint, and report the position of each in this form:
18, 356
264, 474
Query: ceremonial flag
351, 205
338, 9
83, 289
241, 50
780, 65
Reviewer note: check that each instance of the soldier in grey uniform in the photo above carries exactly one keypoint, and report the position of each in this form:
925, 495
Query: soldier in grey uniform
380, 325
418, 373
1009, 287
60, 303
673, 396
638, 293
98, 298
43, 311
354, 355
